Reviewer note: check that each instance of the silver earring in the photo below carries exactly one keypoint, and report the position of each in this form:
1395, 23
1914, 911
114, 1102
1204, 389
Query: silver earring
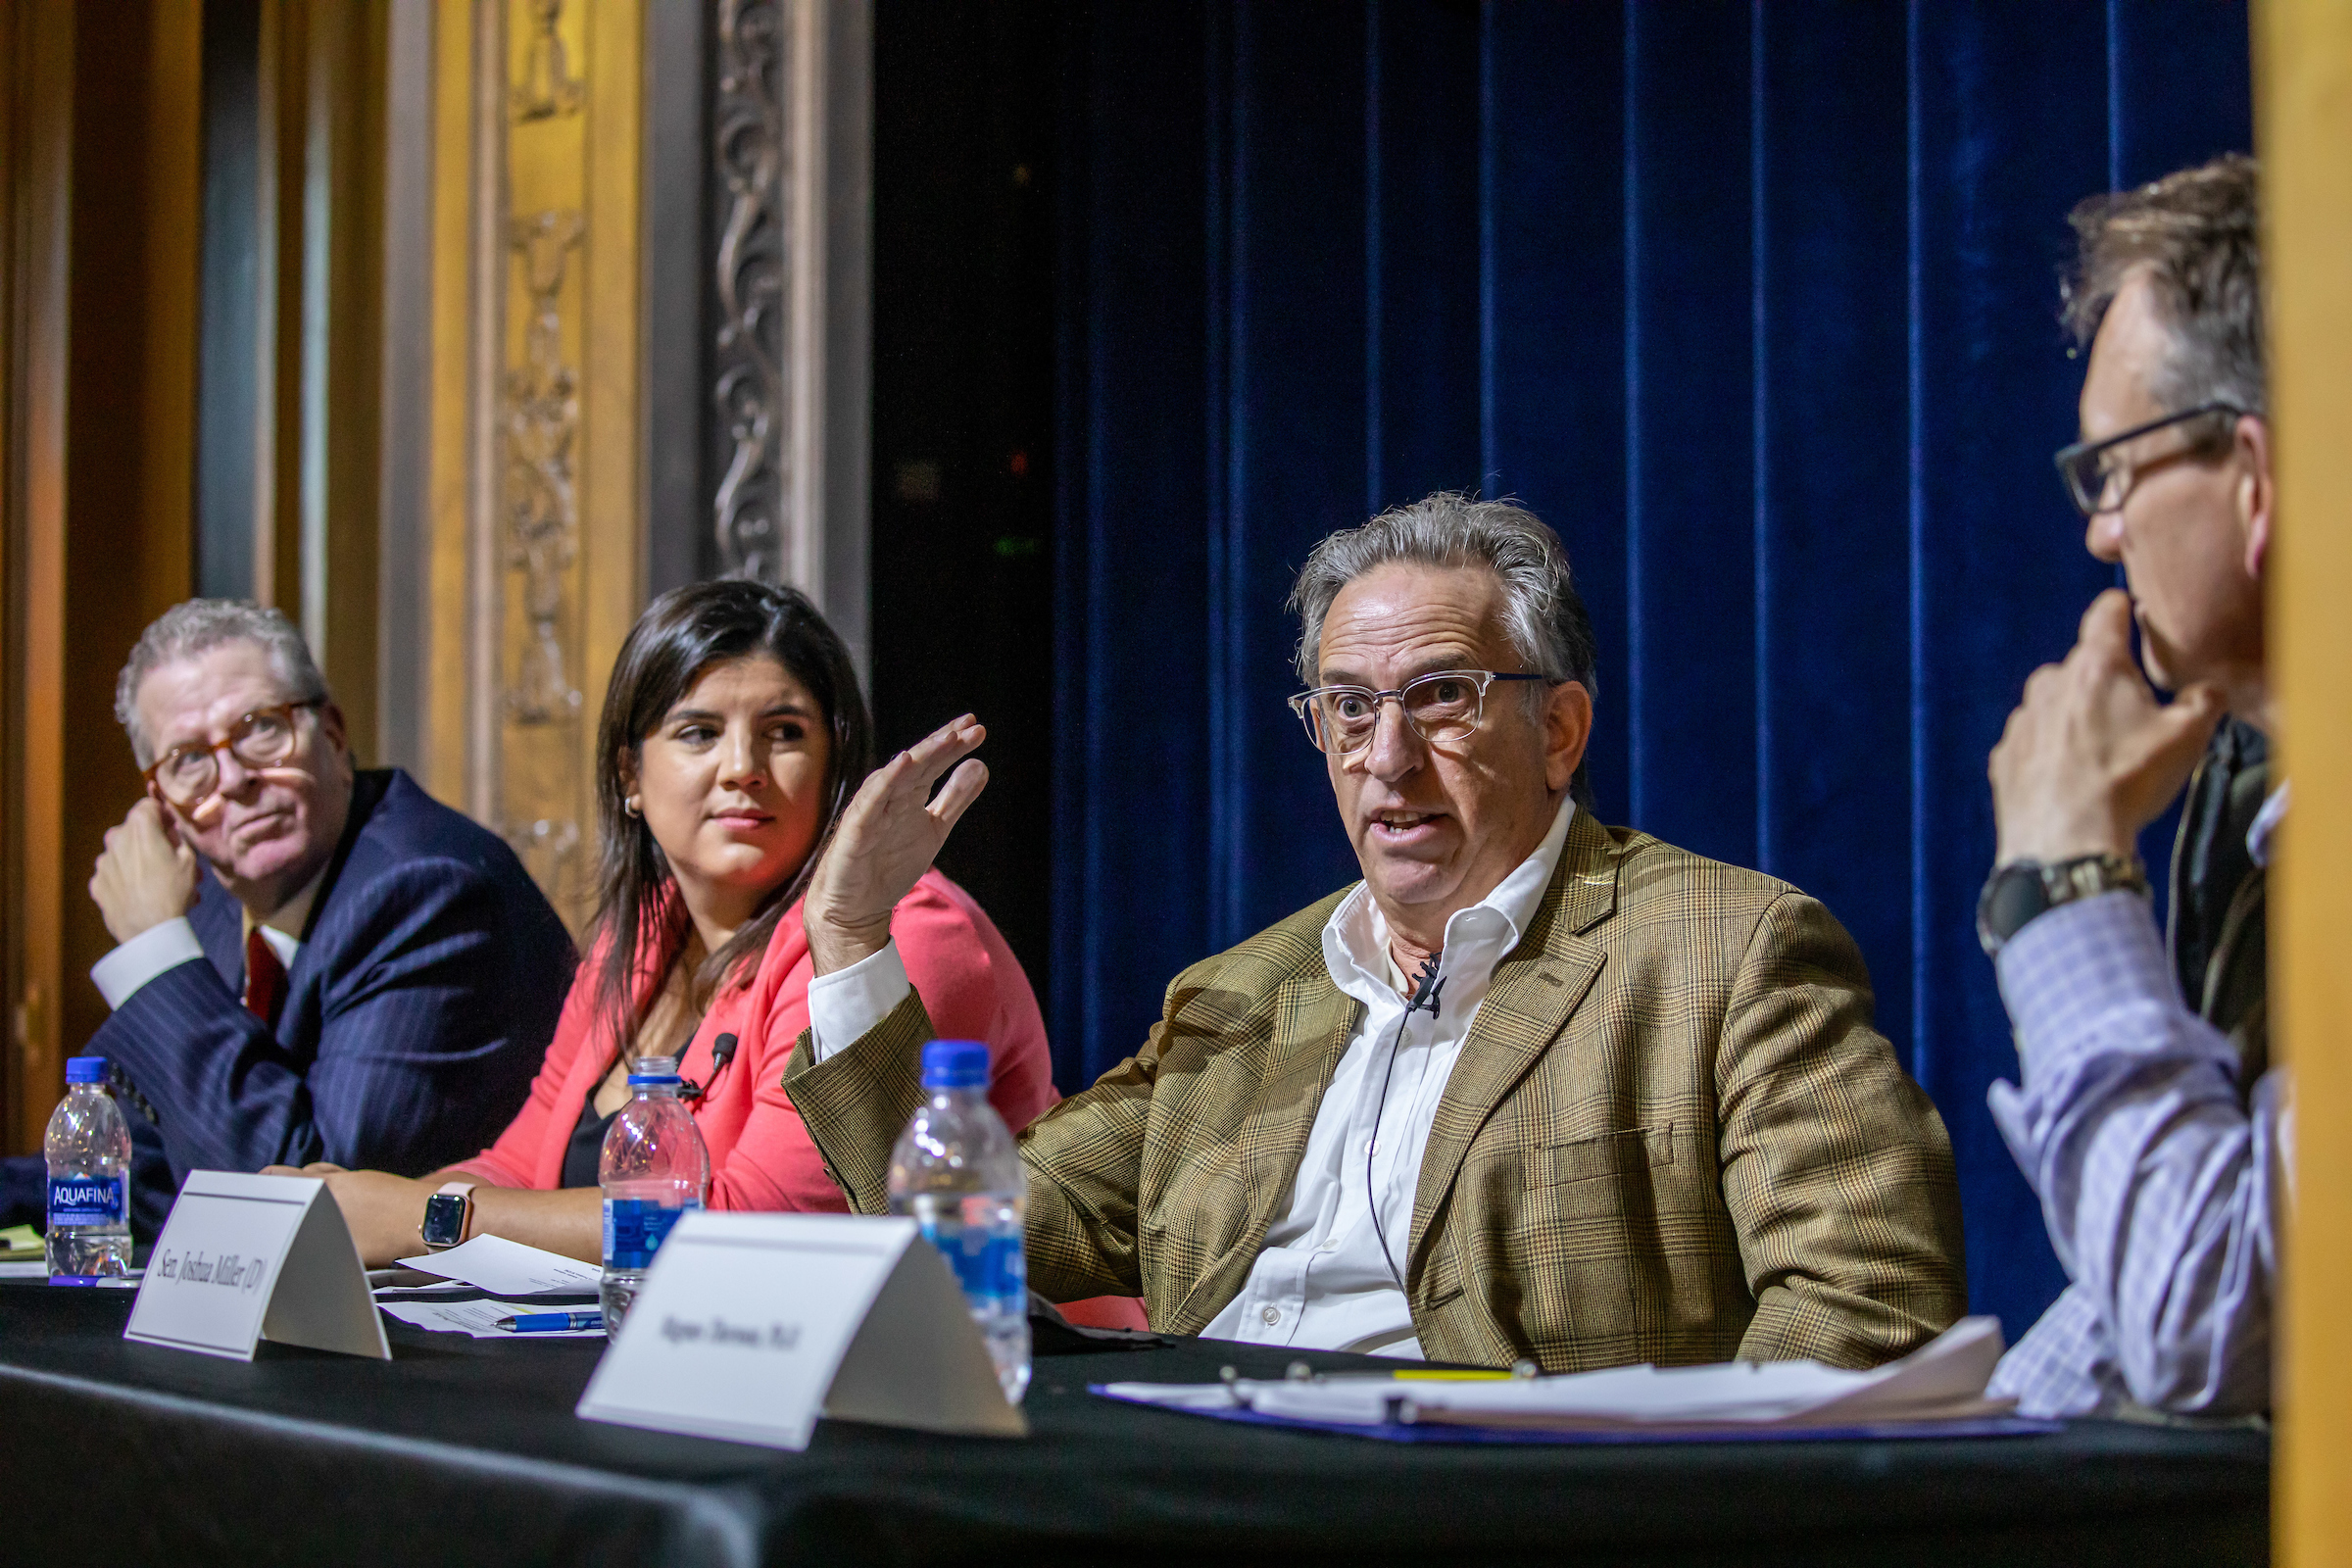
630, 806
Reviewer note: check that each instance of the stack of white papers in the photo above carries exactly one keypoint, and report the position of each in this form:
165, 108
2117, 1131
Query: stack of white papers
508, 1268
481, 1319
1943, 1381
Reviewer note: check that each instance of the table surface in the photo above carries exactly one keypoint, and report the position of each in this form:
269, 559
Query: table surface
467, 1450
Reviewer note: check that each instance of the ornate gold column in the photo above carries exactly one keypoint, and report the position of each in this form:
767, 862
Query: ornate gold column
537, 525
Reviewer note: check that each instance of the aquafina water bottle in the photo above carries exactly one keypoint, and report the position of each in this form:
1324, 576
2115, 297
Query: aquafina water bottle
654, 1167
89, 1177
957, 1174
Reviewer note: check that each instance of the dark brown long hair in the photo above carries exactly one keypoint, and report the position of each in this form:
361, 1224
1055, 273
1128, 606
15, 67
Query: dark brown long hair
680, 636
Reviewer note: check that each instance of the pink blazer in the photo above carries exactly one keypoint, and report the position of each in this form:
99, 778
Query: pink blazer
761, 1156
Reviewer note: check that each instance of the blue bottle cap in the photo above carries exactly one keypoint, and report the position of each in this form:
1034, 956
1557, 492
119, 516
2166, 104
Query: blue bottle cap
85, 1070
956, 1064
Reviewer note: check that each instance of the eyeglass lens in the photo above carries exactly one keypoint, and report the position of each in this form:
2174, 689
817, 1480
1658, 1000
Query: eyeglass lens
2098, 478
1439, 708
258, 740
2095, 480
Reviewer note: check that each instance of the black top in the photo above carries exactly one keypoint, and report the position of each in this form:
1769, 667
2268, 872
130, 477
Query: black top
587, 1143
2219, 940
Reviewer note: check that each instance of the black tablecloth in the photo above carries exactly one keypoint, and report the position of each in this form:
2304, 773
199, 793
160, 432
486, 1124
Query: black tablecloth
466, 1451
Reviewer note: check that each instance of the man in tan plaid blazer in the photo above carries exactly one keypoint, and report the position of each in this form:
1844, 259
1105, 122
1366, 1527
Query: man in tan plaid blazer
1663, 1130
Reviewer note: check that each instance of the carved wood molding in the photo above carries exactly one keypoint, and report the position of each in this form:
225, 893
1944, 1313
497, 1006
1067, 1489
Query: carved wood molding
542, 299
542, 502
789, 138
750, 523
539, 805
548, 86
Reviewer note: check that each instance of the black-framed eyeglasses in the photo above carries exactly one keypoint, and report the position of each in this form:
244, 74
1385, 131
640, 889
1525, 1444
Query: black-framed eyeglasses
189, 773
2097, 482
1444, 705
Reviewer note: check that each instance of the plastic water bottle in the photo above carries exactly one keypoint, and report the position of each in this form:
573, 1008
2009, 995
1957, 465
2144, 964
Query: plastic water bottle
89, 1176
957, 1174
654, 1167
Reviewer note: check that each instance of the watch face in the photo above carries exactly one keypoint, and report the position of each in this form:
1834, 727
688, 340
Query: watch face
2012, 897
444, 1219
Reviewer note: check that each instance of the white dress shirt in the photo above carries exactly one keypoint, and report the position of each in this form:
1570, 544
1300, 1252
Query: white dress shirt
1322, 1281
121, 973
1324, 1278
846, 1004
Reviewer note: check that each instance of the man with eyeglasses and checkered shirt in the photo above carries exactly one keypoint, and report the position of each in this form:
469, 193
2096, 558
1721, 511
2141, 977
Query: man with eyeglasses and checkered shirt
316, 961
2147, 1117
1535, 1088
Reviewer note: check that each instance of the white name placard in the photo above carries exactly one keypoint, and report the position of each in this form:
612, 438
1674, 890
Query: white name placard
245, 1258
751, 1325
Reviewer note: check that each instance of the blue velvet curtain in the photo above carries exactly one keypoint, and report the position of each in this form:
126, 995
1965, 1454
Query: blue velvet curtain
1755, 303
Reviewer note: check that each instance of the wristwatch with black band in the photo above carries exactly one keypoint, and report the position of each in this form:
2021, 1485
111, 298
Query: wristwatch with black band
2021, 890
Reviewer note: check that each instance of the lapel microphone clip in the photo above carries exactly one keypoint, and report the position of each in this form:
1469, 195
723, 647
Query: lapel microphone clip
723, 1051
1426, 986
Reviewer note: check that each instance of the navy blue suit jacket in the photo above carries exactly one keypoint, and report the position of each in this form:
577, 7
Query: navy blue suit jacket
424, 994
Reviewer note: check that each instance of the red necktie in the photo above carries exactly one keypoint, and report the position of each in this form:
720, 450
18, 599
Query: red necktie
265, 978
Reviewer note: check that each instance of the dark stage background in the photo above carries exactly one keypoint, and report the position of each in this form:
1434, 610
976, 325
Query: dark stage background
1757, 305
962, 567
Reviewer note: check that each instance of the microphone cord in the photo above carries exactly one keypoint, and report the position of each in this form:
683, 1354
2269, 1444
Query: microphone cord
1426, 986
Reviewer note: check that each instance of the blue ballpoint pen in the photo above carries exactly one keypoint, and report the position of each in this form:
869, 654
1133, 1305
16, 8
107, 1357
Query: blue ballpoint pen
551, 1322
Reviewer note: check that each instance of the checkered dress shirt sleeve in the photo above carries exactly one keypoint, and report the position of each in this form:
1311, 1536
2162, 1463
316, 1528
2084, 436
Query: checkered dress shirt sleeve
2161, 1187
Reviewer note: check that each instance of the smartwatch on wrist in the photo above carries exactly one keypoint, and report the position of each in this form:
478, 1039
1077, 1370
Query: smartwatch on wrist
447, 1215
2018, 892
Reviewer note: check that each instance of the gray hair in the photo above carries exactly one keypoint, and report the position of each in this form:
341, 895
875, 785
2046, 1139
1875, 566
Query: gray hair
200, 625
1544, 616
2196, 234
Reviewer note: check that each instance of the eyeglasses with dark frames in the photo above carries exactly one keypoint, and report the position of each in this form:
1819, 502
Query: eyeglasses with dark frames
1447, 705
2095, 482
190, 773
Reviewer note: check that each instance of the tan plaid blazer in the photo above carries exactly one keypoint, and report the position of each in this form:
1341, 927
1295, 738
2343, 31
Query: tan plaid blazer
1672, 1135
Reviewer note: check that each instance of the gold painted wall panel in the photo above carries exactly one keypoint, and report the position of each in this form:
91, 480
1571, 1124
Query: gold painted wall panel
613, 521
2303, 81
448, 423
538, 519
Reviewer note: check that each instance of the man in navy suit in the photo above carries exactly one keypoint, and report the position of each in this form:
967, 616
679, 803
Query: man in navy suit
364, 976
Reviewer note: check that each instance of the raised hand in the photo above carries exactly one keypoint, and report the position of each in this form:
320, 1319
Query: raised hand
886, 839
2091, 757
146, 876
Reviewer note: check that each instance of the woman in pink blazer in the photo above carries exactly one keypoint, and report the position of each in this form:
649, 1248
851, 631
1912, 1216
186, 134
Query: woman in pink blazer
733, 736
761, 1155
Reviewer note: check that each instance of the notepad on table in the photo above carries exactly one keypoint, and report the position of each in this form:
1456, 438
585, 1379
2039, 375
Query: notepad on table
1941, 1383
